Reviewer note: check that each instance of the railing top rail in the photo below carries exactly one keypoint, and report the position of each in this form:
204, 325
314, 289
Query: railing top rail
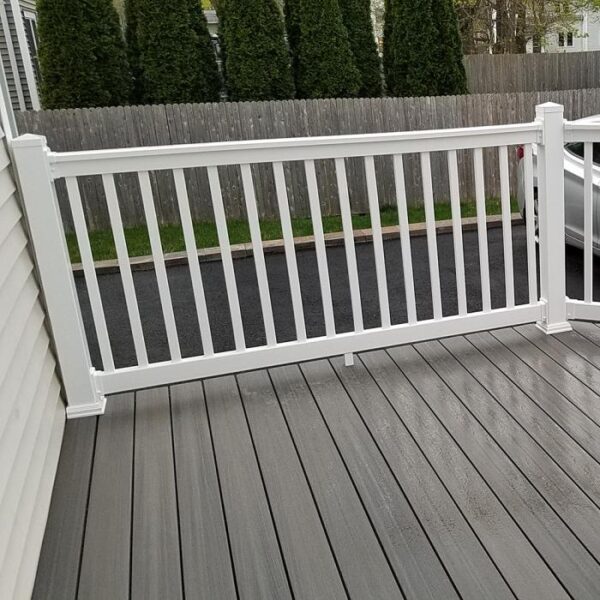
582, 132
125, 160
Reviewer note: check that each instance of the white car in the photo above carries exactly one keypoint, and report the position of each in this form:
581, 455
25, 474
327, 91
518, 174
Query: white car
573, 189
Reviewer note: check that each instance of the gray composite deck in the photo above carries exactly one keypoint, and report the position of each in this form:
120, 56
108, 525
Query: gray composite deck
460, 468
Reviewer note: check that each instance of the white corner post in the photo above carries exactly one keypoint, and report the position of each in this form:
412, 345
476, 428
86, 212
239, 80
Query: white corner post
32, 166
551, 214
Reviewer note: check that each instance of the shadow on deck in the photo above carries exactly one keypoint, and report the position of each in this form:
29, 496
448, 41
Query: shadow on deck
467, 467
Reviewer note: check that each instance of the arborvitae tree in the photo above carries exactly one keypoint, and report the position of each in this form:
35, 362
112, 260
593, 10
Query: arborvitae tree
133, 51
82, 54
257, 64
325, 66
411, 51
452, 78
170, 61
209, 80
291, 9
356, 15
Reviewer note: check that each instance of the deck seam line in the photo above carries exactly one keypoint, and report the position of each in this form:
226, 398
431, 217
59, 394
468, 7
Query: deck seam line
131, 510
264, 486
214, 455
558, 424
561, 366
485, 481
87, 508
388, 465
441, 481
362, 503
522, 426
176, 484
309, 484
503, 451
567, 398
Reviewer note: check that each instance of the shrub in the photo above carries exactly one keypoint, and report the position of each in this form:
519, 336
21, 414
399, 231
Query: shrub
168, 50
82, 54
325, 66
257, 64
356, 15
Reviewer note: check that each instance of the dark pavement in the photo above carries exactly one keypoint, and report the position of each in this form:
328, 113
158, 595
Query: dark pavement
212, 272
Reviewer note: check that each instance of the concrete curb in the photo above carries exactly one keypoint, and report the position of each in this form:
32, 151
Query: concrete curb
361, 236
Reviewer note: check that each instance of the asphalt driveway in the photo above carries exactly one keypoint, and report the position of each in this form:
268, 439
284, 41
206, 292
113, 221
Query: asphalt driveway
187, 323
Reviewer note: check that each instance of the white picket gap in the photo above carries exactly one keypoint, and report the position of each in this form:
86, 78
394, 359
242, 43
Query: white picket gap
191, 248
530, 223
89, 272
434, 268
588, 222
290, 250
228, 269
317, 223
407, 266
259, 256
484, 261
133, 311
355, 297
459, 257
380, 270
509, 279
158, 258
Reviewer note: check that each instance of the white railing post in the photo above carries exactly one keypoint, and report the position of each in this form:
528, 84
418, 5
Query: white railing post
551, 213
30, 156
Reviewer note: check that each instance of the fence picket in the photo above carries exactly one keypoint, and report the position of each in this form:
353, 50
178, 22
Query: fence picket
434, 269
89, 271
259, 257
588, 222
530, 223
228, 270
290, 250
158, 258
506, 227
194, 265
131, 302
355, 297
317, 223
407, 267
384, 304
459, 258
484, 262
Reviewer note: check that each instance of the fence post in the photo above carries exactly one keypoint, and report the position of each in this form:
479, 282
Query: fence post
30, 157
551, 215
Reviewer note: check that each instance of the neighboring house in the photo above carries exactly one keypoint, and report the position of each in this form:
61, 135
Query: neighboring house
583, 37
18, 49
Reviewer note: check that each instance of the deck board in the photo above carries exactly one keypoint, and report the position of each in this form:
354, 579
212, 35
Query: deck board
462, 468
362, 561
259, 566
207, 568
418, 569
156, 560
303, 539
107, 544
513, 553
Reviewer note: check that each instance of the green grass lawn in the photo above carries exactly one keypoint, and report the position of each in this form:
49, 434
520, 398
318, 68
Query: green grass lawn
138, 244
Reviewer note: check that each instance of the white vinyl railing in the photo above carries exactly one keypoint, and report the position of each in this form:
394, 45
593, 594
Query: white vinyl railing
39, 169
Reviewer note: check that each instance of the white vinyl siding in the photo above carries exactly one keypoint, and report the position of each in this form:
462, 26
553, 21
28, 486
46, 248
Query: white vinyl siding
32, 412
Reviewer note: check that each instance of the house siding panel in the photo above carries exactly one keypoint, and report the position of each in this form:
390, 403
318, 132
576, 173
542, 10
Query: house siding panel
32, 413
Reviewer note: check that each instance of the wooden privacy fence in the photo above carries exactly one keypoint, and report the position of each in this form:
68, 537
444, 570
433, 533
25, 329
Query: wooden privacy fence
493, 73
123, 127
